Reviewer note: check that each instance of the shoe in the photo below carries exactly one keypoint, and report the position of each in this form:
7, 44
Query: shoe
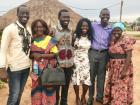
99, 101
90, 102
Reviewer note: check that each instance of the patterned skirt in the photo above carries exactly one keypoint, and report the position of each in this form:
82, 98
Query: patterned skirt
42, 95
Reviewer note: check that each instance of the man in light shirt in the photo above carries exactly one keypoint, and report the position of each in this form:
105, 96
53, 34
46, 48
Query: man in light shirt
14, 55
98, 55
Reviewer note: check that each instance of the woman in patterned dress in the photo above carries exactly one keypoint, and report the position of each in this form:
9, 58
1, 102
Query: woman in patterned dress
81, 72
119, 86
40, 94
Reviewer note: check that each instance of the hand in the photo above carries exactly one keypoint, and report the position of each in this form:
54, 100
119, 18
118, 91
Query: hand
3, 73
52, 32
37, 56
33, 76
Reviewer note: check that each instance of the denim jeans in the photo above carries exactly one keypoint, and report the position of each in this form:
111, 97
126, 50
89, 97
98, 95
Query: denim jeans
17, 81
98, 61
64, 90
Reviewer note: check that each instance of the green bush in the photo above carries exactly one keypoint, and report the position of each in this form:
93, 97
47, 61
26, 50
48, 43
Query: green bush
2, 84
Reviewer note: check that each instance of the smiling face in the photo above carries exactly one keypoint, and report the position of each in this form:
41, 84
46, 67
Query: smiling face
64, 19
39, 29
104, 16
23, 15
116, 33
84, 27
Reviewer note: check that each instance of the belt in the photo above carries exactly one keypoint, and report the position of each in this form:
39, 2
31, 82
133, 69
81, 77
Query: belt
117, 56
100, 51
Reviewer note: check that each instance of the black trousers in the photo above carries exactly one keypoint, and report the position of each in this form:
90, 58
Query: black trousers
64, 89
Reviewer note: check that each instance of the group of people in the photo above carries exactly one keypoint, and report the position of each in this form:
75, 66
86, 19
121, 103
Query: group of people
84, 55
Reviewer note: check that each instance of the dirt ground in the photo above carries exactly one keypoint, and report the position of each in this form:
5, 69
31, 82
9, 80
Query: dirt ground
71, 98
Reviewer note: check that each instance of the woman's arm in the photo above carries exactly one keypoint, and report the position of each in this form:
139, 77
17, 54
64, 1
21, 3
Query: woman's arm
39, 56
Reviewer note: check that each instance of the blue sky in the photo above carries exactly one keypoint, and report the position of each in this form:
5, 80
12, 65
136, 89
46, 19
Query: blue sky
130, 8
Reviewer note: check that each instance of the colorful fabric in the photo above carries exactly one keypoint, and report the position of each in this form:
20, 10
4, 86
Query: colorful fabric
119, 25
119, 91
47, 43
81, 72
42, 95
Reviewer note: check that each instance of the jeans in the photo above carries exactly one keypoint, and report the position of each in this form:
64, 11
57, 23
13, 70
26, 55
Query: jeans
17, 81
98, 61
64, 90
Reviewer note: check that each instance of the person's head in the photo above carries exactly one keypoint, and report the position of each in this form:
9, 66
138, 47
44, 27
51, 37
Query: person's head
64, 18
117, 30
104, 16
23, 14
39, 27
84, 28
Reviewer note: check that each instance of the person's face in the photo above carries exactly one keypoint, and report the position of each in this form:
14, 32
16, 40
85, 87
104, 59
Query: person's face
39, 29
23, 15
84, 27
64, 19
116, 33
105, 16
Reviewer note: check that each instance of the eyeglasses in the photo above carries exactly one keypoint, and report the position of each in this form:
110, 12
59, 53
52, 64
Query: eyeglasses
63, 54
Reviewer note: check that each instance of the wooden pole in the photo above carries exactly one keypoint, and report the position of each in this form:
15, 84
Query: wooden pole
121, 10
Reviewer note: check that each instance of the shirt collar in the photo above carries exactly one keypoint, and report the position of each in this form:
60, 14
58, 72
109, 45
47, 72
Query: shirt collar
20, 25
59, 27
107, 27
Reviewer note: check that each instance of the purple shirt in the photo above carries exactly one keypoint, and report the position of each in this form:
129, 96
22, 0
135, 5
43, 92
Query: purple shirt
101, 36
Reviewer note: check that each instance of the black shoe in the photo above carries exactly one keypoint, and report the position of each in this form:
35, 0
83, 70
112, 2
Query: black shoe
99, 101
90, 102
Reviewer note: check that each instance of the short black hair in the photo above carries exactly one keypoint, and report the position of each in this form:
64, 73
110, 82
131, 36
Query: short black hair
78, 30
20, 7
106, 9
46, 31
62, 10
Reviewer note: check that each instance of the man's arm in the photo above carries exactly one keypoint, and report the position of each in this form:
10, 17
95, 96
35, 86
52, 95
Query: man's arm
6, 37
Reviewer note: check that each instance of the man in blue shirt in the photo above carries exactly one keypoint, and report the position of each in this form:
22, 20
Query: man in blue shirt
98, 55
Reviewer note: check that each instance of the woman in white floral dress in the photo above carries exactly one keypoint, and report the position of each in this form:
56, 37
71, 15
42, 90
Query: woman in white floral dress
81, 72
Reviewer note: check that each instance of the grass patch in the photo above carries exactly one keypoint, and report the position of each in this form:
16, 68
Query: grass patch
134, 34
2, 84
137, 37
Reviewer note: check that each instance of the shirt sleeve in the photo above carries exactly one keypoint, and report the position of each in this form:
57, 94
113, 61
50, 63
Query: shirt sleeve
4, 46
